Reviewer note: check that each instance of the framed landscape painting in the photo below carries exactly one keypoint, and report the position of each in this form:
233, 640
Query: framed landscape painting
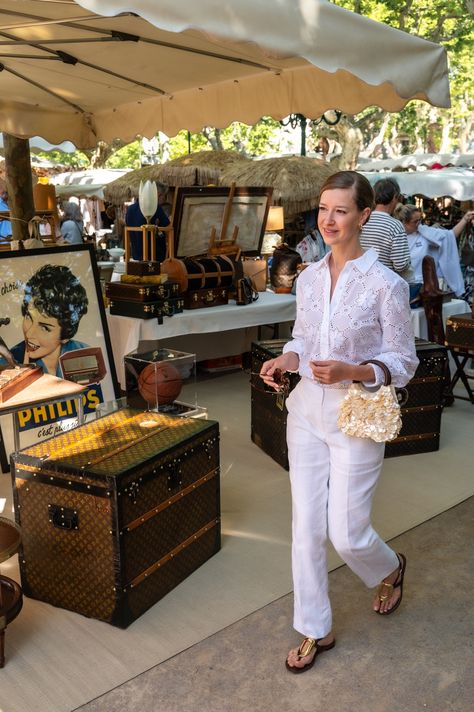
52, 316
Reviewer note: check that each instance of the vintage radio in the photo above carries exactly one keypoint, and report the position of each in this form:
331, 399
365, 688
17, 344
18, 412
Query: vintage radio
421, 412
137, 310
83, 366
117, 512
460, 333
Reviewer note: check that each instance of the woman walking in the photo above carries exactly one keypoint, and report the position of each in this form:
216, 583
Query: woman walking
350, 309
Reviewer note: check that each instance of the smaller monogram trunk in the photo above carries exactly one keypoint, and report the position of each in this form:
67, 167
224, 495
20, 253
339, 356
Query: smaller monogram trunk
117, 512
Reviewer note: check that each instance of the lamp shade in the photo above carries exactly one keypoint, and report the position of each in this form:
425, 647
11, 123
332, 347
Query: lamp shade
148, 198
275, 219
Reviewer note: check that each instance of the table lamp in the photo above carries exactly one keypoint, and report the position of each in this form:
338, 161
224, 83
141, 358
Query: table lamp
275, 222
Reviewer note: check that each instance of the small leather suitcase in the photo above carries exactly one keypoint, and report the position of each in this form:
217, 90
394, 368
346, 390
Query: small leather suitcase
137, 310
117, 512
172, 306
460, 333
136, 292
143, 267
207, 297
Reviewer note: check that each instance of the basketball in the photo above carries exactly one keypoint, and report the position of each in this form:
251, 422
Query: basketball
160, 382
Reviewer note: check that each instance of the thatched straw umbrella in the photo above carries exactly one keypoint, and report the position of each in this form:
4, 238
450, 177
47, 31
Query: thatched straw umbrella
295, 180
199, 168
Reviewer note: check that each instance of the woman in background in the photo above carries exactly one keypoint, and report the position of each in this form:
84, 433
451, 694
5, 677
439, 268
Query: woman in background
72, 225
439, 243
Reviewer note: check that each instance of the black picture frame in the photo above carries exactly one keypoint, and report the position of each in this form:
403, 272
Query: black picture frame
197, 209
92, 335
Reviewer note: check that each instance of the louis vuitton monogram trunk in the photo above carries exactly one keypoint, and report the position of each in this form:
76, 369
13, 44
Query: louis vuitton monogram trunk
421, 412
117, 512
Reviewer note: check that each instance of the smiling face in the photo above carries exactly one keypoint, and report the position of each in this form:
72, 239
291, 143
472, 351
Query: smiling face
339, 218
42, 334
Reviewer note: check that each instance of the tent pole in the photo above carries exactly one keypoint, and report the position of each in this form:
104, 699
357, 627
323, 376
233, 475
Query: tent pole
19, 184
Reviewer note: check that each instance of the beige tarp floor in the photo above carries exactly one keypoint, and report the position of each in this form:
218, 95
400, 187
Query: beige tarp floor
58, 660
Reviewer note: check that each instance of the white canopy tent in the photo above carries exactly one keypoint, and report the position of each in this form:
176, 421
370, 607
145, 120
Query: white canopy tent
457, 183
69, 73
85, 184
416, 161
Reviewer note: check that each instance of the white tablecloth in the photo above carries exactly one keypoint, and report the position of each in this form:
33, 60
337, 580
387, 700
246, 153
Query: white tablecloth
230, 325
222, 321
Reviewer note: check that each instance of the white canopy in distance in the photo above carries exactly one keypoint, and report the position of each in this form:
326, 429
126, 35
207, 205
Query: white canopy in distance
67, 72
418, 160
457, 183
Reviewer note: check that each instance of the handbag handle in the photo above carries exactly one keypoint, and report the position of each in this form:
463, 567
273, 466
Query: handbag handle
386, 373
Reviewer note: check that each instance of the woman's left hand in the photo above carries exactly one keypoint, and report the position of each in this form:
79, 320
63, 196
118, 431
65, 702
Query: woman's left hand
329, 372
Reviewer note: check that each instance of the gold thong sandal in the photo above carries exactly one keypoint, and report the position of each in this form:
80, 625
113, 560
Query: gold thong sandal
385, 590
306, 648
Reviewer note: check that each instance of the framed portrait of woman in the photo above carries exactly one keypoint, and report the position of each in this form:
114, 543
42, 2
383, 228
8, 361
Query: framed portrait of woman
52, 316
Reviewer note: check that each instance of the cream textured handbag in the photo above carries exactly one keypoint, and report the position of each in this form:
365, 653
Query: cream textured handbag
371, 414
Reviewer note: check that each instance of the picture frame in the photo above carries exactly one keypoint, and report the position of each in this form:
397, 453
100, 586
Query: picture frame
53, 316
198, 209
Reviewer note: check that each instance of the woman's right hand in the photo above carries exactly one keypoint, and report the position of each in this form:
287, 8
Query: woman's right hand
272, 370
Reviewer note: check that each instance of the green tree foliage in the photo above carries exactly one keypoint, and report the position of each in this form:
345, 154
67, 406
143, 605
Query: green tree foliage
449, 23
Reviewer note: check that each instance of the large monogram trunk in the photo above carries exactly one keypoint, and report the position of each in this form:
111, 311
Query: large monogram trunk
421, 412
268, 410
117, 512
422, 403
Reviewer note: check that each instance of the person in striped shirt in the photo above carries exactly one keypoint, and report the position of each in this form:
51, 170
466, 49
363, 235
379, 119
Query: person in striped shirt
384, 233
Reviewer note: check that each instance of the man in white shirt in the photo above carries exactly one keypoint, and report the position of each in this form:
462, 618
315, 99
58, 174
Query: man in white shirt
384, 233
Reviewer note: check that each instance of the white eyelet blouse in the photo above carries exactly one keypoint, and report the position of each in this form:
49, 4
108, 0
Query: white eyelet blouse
368, 317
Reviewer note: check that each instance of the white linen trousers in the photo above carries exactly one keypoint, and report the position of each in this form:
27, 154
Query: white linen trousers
333, 478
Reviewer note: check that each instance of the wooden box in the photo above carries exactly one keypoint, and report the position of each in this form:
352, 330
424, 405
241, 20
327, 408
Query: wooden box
143, 267
117, 512
13, 380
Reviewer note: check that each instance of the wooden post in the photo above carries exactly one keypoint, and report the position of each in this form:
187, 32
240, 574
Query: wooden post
19, 184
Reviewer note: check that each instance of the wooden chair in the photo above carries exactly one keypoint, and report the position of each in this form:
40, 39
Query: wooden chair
432, 298
11, 597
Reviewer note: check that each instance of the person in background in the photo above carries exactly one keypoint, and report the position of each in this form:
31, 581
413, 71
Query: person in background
439, 243
5, 225
72, 226
312, 247
384, 233
349, 308
135, 218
